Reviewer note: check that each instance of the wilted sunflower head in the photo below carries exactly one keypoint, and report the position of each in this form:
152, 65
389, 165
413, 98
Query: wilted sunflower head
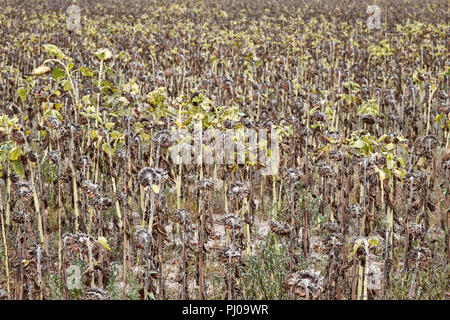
69, 239
325, 170
154, 175
82, 162
280, 228
355, 210
445, 165
424, 146
18, 136
73, 129
334, 241
54, 156
95, 293
90, 189
368, 119
53, 122
32, 156
142, 238
229, 254
23, 189
101, 203
337, 155
181, 216
420, 257
232, 221
302, 281
164, 138
3, 294
332, 227
18, 216
237, 191
416, 230
120, 156
293, 175
319, 116
416, 178
206, 184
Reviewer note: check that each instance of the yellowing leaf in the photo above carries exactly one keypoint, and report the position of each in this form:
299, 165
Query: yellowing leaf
422, 162
390, 162
155, 188
15, 153
359, 144
390, 146
41, 70
104, 242
26, 262
104, 54
381, 173
355, 248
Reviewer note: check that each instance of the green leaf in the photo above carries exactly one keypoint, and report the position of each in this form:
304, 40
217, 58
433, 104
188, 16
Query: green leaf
390, 162
390, 146
58, 74
15, 153
109, 125
115, 135
355, 248
67, 86
382, 138
86, 72
400, 160
22, 92
438, 118
54, 113
54, 50
106, 148
41, 70
374, 242
18, 169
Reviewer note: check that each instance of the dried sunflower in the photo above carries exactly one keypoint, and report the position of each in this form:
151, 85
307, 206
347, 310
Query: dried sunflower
148, 174
237, 191
280, 228
141, 238
53, 122
101, 203
181, 216
91, 189
23, 189
232, 221
95, 293
18, 216
206, 184
54, 156
304, 281
18, 136
293, 175
229, 254
325, 170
